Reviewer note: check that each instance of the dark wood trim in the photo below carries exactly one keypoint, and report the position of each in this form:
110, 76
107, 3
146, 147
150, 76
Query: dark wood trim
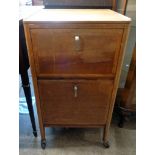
77, 7
73, 126
125, 2
114, 5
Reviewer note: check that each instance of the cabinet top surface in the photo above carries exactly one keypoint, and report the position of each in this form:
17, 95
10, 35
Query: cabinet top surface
77, 15
26, 11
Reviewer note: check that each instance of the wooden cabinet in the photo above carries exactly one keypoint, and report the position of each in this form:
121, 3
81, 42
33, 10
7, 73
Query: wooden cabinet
76, 57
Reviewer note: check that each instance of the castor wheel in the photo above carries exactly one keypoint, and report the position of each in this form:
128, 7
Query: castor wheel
35, 133
43, 144
106, 144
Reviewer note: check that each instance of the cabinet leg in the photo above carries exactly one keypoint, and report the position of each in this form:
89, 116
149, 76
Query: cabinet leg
35, 133
121, 120
105, 137
27, 92
43, 139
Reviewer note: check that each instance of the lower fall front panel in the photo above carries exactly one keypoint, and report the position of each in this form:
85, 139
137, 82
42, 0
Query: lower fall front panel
75, 102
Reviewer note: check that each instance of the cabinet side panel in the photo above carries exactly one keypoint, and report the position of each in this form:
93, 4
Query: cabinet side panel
34, 77
116, 81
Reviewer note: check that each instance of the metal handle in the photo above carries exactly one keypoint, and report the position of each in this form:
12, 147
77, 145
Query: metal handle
75, 91
77, 43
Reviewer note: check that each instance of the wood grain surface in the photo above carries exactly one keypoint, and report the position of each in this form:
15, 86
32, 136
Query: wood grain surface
84, 15
97, 48
88, 104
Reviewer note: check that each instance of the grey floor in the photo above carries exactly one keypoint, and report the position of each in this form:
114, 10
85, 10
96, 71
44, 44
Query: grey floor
61, 141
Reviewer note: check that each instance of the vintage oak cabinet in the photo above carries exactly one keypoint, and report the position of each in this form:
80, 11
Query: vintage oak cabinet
76, 57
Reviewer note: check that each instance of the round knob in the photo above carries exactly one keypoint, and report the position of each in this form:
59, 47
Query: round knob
77, 38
